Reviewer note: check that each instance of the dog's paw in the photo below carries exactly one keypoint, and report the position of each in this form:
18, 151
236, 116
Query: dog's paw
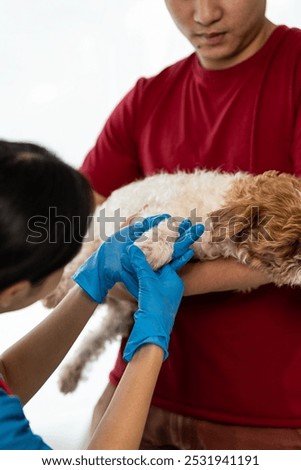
158, 243
157, 253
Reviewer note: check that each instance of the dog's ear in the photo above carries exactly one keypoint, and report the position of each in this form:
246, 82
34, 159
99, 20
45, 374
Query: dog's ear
235, 222
287, 238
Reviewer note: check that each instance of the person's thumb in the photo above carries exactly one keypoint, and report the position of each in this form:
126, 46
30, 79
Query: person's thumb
139, 262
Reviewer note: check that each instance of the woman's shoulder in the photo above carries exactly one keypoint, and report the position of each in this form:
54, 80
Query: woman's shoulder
15, 432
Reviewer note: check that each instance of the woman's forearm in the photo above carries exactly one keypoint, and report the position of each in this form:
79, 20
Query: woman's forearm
124, 420
29, 362
219, 275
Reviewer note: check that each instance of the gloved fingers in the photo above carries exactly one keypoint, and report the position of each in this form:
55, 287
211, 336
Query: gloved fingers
132, 232
128, 276
126, 264
139, 272
184, 225
178, 263
139, 263
130, 283
169, 276
138, 228
153, 221
186, 239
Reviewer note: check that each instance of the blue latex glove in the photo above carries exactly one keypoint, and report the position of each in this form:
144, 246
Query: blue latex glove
160, 294
181, 255
98, 274
188, 234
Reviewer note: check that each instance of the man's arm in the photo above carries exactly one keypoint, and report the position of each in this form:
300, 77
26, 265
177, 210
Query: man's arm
220, 275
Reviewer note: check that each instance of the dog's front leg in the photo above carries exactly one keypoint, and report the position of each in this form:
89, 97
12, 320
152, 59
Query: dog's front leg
158, 243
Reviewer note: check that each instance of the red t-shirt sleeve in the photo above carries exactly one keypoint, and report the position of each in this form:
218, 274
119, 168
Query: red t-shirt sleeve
113, 161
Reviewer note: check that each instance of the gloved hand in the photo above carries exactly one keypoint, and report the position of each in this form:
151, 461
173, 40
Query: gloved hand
102, 270
160, 294
188, 234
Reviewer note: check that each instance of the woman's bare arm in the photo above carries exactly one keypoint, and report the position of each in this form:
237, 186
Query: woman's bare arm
30, 361
123, 422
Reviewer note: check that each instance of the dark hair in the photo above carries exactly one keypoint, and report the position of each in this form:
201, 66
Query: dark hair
44, 212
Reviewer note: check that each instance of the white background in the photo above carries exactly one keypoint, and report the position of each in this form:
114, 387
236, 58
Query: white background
64, 64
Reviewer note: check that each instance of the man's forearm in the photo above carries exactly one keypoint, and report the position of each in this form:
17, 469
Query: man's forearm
220, 275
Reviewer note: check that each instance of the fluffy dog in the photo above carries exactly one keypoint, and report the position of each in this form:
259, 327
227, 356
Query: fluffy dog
254, 219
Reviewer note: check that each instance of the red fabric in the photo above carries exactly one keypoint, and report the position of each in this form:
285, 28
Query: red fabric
4, 386
234, 357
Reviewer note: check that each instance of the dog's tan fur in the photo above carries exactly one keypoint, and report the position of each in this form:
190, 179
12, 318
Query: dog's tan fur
254, 219
272, 196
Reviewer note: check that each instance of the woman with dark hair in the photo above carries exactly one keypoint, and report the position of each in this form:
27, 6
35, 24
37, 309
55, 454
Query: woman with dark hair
44, 214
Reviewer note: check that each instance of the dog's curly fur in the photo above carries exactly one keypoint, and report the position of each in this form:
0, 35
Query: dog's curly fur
254, 219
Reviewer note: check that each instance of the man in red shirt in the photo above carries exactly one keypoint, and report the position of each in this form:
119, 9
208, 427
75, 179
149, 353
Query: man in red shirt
233, 378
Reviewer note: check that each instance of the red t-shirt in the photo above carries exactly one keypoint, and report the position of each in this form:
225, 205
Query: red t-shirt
234, 357
4, 386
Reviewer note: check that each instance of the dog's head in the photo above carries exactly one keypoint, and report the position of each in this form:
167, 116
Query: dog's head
261, 224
